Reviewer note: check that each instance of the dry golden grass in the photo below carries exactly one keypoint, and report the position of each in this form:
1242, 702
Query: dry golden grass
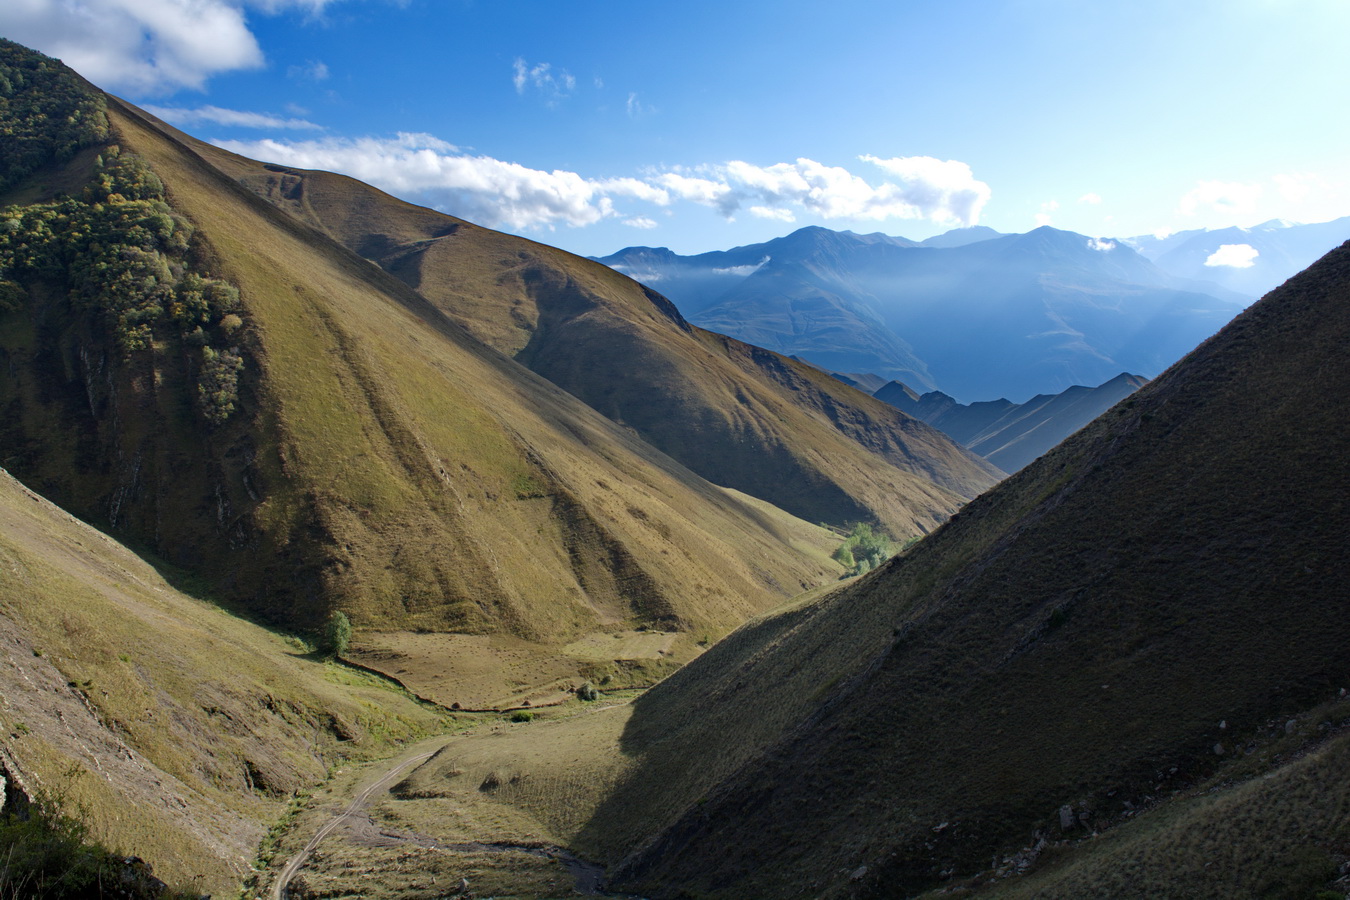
387, 463
739, 416
178, 729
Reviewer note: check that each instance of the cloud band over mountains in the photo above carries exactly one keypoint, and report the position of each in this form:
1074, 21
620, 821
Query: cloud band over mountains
502, 194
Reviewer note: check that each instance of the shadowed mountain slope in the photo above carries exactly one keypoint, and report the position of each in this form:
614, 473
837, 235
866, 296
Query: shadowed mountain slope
1011, 435
1100, 629
739, 416
214, 379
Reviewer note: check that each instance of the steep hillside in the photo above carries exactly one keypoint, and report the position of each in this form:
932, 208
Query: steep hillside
1011, 435
1104, 628
180, 731
740, 417
217, 381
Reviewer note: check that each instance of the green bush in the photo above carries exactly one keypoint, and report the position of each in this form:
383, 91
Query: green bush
588, 692
337, 633
522, 715
864, 549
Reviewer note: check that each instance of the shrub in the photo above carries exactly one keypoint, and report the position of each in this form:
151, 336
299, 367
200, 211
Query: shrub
588, 692
522, 715
864, 549
337, 633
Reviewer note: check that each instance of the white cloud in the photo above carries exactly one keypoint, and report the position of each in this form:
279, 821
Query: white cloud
1229, 198
636, 109
145, 46
1101, 244
310, 71
703, 191
912, 188
231, 117
638, 190
771, 212
427, 170
1093, 199
944, 192
480, 188
1044, 217
554, 86
1237, 256
742, 270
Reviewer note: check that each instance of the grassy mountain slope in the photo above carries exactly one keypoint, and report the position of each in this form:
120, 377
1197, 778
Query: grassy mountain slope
1097, 631
332, 439
739, 417
179, 730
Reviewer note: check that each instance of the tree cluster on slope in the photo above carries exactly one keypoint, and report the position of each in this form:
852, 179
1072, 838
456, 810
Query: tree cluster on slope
47, 113
121, 252
864, 549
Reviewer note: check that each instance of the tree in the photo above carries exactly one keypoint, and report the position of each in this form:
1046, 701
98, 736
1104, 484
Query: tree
337, 633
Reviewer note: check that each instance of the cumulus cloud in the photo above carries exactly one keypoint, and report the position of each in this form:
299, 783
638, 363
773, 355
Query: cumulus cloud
419, 167
232, 117
1101, 244
1093, 199
555, 86
945, 192
1229, 198
502, 194
1237, 256
704, 191
146, 46
918, 187
771, 212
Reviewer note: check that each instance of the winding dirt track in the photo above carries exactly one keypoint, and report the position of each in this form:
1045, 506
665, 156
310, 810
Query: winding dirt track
280, 886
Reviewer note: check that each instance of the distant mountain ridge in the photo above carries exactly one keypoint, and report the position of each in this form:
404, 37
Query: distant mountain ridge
973, 313
1011, 435
1262, 257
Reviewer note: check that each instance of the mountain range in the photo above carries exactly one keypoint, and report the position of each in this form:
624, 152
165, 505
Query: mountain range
245, 405
975, 314
1011, 435
1258, 259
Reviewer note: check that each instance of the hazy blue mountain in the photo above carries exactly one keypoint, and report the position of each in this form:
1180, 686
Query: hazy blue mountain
1282, 249
959, 237
796, 295
973, 313
1012, 435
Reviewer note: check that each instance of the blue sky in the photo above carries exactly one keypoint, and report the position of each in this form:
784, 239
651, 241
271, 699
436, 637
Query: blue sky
595, 125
